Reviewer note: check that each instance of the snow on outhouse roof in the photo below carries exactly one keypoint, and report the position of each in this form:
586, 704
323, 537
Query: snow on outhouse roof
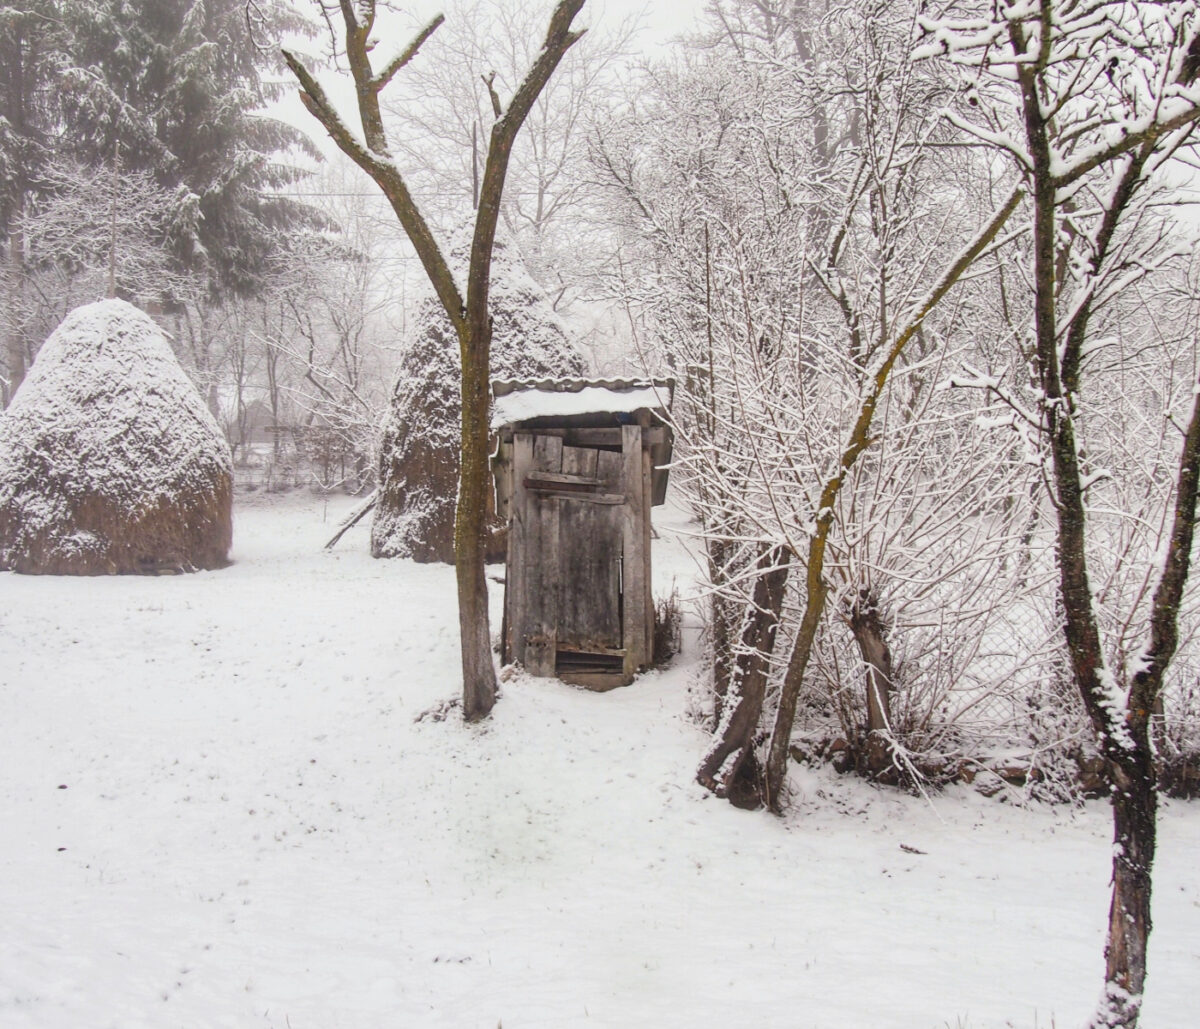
519, 400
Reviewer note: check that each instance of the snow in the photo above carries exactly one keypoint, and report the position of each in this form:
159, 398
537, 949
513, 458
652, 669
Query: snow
523, 404
223, 807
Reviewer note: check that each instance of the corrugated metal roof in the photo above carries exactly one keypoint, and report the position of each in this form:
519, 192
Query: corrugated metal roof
503, 387
521, 400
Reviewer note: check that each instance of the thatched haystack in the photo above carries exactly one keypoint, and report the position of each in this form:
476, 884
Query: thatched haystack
110, 462
419, 450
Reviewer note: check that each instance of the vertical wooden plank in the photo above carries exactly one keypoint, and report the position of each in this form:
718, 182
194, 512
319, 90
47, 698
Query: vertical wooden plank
589, 607
609, 470
547, 452
503, 480
579, 461
542, 559
634, 578
515, 577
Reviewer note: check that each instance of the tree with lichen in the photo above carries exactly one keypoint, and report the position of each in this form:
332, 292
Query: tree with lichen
470, 313
1088, 103
805, 229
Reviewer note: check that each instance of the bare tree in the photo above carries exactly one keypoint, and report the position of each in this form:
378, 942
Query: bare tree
89, 232
470, 315
442, 111
1088, 102
310, 355
800, 221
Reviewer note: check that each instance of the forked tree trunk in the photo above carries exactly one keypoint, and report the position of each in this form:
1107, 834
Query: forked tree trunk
1123, 733
470, 316
730, 768
1129, 757
1122, 724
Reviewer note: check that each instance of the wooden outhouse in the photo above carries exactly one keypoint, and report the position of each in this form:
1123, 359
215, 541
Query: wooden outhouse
578, 465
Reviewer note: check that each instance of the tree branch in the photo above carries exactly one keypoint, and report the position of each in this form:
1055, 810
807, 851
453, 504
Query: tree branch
559, 39
1184, 76
1150, 135
1164, 611
409, 52
317, 103
489, 81
390, 181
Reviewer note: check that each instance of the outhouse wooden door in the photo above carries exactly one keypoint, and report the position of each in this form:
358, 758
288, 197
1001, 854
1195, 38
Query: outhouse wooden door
571, 540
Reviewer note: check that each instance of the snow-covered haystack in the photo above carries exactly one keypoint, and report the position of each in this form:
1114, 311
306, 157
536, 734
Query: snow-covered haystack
419, 450
109, 460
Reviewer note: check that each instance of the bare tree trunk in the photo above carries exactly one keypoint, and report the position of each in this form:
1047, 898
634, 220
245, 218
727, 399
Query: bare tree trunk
470, 532
730, 768
272, 356
1134, 803
1135, 810
815, 594
16, 332
112, 226
1130, 760
870, 629
14, 52
1121, 724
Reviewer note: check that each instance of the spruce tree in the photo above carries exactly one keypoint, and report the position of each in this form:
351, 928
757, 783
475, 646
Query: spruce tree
176, 88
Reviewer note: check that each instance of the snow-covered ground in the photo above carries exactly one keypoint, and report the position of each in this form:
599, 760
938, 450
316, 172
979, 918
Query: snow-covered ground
222, 806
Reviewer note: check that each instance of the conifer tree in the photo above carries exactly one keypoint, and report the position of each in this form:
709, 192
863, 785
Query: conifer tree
418, 461
167, 92
176, 88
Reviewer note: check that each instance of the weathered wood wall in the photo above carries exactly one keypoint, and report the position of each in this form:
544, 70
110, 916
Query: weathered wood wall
578, 599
